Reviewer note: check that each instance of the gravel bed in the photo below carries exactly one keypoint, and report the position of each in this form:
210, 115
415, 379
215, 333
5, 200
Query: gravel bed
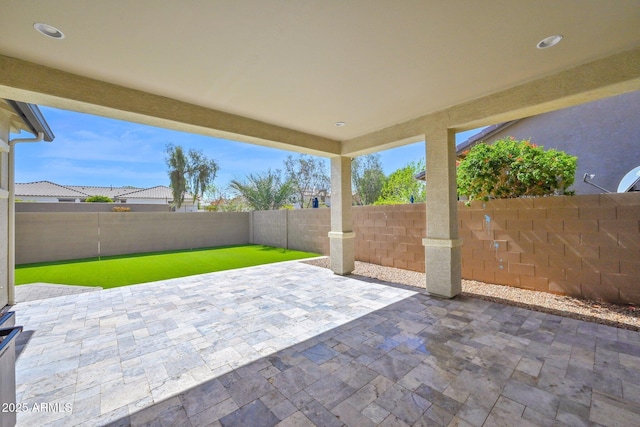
621, 316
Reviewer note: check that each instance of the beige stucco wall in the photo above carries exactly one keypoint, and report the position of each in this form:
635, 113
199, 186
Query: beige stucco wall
61, 236
4, 207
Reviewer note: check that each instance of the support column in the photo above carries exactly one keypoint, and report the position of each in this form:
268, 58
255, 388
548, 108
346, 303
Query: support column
341, 236
442, 245
6, 249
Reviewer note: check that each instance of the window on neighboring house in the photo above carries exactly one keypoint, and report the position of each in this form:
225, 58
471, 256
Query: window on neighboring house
67, 200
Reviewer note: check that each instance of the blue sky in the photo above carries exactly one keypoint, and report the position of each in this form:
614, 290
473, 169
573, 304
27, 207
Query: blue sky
92, 150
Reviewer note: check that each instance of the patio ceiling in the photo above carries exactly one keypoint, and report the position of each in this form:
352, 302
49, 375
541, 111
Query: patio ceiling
282, 73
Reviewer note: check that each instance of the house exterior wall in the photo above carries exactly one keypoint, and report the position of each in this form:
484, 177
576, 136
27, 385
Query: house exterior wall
131, 200
604, 135
35, 199
88, 207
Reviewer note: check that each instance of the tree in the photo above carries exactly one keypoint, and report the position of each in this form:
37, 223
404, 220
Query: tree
192, 173
308, 177
98, 199
368, 178
509, 168
401, 185
264, 191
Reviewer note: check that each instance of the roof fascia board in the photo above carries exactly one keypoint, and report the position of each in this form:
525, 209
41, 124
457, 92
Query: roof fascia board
43, 85
484, 135
602, 78
33, 118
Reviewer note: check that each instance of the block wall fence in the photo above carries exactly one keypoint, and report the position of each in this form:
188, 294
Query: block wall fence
585, 246
56, 236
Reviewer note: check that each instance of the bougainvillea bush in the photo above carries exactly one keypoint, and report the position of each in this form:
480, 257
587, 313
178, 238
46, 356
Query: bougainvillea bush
509, 168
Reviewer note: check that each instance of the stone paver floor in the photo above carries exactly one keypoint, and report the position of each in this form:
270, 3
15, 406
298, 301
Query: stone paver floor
38, 291
294, 345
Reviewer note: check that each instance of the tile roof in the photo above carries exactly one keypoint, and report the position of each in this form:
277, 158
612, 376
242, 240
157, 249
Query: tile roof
50, 189
157, 192
101, 191
46, 189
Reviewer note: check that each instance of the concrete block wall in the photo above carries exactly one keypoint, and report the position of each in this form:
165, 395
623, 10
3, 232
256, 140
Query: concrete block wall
584, 246
125, 233
269, 228
44, 237
391, 235
301, 229
308, 230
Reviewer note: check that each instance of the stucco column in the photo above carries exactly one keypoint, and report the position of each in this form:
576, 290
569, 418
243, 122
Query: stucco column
6, 251
341, 236
442, 245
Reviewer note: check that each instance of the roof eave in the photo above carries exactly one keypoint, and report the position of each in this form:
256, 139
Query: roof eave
33, 118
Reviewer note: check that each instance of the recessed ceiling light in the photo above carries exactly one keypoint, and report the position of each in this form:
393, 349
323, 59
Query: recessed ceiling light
48, 30
549, 41
340, 124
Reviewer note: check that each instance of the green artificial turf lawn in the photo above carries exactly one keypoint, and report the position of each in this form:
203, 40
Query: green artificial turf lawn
123, 270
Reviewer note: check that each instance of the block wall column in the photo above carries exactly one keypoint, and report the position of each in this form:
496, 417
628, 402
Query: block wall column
442, 246
341, 236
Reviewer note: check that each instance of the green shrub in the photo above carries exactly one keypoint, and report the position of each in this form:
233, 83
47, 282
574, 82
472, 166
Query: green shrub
401, 185
98, 199
509, 168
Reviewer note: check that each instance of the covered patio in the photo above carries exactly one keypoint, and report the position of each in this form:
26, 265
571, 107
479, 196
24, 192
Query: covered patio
339, 80
291, 344
334, 79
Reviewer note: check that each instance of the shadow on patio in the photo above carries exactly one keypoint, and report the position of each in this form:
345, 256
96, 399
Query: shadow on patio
297, 345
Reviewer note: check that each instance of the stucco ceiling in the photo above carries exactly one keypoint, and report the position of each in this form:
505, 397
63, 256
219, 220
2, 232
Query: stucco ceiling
305, 65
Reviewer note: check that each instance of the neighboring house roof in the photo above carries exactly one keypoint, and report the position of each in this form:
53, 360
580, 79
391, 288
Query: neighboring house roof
157, 192
51, 189
111, 192
46, 189
485, 133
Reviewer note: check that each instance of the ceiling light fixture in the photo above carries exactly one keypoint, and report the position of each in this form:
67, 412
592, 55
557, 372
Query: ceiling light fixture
340, 124
48, 30
549, 41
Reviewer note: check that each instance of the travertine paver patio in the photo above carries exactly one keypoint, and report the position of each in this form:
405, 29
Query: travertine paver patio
294, 345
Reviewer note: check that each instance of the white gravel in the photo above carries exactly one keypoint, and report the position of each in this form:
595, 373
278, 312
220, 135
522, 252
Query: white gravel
622, 316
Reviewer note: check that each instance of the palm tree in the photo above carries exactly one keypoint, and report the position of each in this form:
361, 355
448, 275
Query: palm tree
264, 191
